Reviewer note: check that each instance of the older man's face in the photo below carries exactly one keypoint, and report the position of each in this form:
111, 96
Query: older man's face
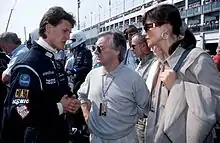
137, 47
107, 54
7, 47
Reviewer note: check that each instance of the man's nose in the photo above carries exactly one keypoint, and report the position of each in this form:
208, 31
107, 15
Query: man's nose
144, 34
67, 37
97, 52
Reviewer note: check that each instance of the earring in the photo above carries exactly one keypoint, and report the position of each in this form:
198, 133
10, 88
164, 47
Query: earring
164, 35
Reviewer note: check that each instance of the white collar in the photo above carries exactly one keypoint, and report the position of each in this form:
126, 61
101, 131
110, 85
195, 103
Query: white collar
45, 45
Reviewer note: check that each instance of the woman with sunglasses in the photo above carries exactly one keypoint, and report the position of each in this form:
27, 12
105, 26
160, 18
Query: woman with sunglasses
186, 87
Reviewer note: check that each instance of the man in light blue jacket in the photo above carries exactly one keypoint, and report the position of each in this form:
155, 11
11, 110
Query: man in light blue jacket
11, 44
131, 60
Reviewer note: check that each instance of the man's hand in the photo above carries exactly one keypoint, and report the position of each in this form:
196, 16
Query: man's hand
70, 104
65, 103
85, 110
5, 78
74, 105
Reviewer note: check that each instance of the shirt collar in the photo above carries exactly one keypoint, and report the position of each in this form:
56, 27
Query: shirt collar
128, 46
45, 45
147, 58
14, 52
173, 59
115, 71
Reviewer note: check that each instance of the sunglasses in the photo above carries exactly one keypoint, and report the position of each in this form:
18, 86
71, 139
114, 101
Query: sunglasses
148, 26
133, 46
99, 49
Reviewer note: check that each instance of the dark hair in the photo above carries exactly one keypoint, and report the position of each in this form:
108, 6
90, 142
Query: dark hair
10, 37
53, 16
168, 13
131, 28
189, 39
118, 42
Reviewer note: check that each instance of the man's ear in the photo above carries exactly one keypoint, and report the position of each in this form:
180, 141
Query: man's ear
48, 28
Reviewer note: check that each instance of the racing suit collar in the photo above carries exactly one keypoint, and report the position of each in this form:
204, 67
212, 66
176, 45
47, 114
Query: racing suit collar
46, 46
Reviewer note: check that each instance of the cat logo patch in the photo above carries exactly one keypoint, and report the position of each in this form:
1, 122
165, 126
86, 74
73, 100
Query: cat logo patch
21, 93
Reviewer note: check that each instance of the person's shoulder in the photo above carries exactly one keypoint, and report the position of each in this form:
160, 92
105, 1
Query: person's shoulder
196, 57
131, 76
23, 68
198, 50
25, 48
70, 59
197, 53
21, 51
33, 60
130, 72
97, 70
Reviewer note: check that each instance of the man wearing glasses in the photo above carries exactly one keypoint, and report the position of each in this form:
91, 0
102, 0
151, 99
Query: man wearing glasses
113, 97
147, 58
130, 59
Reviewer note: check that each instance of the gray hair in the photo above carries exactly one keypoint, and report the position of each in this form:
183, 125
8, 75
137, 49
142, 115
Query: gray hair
117, 42
10, 37
140, 38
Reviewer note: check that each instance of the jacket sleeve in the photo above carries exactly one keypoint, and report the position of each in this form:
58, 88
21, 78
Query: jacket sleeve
141, 97
191, 112
84, 90
29, 99
207, 74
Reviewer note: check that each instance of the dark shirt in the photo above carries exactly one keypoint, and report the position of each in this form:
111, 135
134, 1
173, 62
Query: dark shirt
4, 60
82, 66
37, 84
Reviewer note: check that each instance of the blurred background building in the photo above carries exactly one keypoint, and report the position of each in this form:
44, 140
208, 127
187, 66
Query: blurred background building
201, 16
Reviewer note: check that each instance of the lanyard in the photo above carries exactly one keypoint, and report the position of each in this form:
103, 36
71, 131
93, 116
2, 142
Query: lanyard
104, 91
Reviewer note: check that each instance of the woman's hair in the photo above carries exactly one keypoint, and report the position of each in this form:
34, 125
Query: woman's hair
168, 13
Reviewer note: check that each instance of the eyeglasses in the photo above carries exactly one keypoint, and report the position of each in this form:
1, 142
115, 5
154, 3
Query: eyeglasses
148, 26
133, 46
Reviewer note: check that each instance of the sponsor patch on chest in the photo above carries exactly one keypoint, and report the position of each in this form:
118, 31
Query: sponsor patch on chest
22, 111
20, 101
21, 97
48, 73
51, 81
24, 80
21, 93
